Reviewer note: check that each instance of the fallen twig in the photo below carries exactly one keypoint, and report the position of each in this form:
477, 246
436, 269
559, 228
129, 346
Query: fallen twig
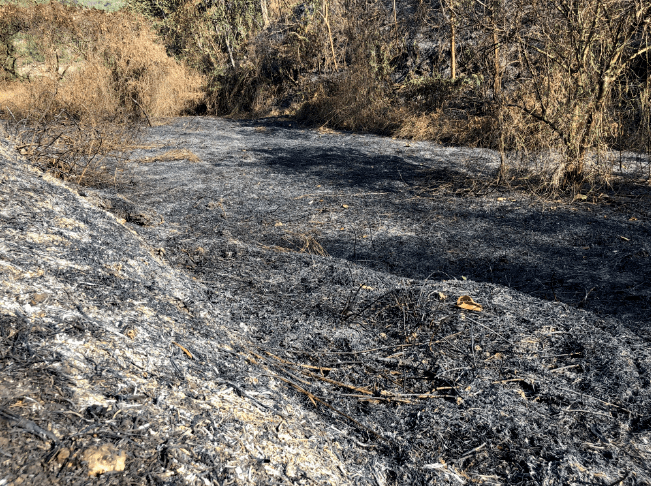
313, 398
343, 195
602, 401
184, 350
27, 425
298, 364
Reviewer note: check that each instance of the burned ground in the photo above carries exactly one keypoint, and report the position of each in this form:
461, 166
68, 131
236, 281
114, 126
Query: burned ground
322, 271
414, 210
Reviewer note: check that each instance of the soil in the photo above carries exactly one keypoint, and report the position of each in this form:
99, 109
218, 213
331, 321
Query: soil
334, 263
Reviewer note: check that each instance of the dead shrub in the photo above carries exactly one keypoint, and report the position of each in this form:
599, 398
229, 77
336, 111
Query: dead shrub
564, 78
86, 83
448, 127
352, 102
576, 63
441, 110
261, 56
352, 54
70, 150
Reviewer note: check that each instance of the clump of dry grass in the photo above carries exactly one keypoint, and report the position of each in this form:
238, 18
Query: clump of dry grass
170, 155
101, 64
305, 243
353, 103
77, 84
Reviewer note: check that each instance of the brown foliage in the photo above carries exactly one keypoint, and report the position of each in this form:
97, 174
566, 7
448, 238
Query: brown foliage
355, 102
80, 81
567, 78
578, 71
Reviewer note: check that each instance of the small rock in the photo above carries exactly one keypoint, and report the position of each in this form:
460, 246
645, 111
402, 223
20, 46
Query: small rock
290, 470
141, 218
38, 298
63, 455
103, 459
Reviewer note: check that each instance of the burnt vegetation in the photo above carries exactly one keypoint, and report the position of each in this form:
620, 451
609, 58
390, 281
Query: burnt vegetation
327, 303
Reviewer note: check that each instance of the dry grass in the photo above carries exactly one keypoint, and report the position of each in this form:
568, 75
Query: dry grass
305, 243
331, 64
116, 64
170, 155
354, 103
78, 83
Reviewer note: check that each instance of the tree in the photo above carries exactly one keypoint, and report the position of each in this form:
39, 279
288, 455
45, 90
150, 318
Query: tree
573, 53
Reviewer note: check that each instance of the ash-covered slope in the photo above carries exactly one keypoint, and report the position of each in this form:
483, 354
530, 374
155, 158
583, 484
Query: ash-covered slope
526, 391
101, 343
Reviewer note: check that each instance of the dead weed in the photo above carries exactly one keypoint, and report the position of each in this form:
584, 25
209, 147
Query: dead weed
88, 79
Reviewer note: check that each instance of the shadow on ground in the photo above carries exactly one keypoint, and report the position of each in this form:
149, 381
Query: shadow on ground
441, 222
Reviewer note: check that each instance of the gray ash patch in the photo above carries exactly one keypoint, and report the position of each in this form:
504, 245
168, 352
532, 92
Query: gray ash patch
410, 209
341, 258
111, 360
335, 262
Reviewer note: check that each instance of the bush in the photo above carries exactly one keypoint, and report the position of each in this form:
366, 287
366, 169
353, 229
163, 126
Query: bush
81, 81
